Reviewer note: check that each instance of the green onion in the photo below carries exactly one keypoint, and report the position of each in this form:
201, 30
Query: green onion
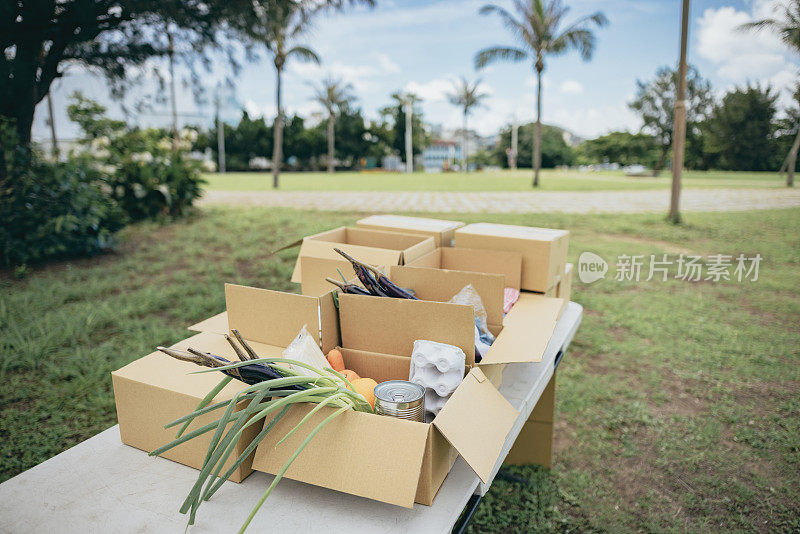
326, 388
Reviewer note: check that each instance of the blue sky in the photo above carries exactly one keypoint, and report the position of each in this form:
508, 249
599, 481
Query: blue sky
424, 45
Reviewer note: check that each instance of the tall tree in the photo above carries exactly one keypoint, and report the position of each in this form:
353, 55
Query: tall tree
740, 131
467, 96
787, 26
540, 30
39, 38
279, 30
335, 96
655, 102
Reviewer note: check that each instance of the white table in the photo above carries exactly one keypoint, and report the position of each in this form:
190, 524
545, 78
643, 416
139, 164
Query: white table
101, 485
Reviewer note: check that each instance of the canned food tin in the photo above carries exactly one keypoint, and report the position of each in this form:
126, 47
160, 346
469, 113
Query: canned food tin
400, 398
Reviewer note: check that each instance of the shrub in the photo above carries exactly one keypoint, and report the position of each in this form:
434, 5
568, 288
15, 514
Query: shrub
50, 211
145, 174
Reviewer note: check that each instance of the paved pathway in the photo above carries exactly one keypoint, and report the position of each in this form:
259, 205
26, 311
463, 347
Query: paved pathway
513, 202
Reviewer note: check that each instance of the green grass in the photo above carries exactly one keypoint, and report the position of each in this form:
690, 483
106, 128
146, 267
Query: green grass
677, 407
551, 180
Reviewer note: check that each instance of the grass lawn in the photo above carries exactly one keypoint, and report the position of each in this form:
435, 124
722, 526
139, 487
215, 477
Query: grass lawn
520, 180
678, 407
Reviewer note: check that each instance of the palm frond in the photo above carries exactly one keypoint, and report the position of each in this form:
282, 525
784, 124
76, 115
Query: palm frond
497, 53
303, 53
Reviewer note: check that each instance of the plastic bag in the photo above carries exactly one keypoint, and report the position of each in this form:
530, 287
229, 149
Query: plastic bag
305, 349
469, 296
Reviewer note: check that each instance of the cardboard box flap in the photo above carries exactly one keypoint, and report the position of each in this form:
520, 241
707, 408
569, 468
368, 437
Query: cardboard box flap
527, 330
313, 272
322, 249
390, 326
505, 262
417, 251
441, 285
372, 456
274, 317
476, 421
217, 324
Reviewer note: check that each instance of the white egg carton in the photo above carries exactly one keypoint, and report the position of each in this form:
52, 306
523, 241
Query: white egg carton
439, 368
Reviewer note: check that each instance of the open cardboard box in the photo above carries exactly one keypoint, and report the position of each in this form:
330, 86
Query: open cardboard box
402, 462
383, 458
370, 246
544, 250
157, 389
507, 263
440, 230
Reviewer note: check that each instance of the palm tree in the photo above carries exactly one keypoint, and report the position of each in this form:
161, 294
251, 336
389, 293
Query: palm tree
335, 96
787, 27
538, 32
466, 96
281, 27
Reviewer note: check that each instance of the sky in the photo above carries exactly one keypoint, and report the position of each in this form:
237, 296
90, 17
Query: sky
423, 46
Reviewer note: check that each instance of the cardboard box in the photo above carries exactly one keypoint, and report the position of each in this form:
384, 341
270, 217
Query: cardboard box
157, 389
507, 263
564, 287
370, 246
534, 444
397, 461
440, 230
544, 251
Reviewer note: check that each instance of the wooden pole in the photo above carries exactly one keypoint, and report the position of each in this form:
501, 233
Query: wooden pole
409, 147
54, 148
679, 123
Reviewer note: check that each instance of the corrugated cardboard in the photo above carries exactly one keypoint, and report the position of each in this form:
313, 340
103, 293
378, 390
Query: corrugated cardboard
390, 326
441, 285
507, 263
476, 404
393, 460
442, 231
534, 444
527, 330
564, 290
275, 318
544, 251
370, 246
313, 272
521, 336
217, 323
157, 389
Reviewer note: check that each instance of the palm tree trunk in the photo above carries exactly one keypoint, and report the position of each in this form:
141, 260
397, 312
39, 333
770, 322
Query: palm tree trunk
464, 144
537, 132
331, 147
791, 160
277, 131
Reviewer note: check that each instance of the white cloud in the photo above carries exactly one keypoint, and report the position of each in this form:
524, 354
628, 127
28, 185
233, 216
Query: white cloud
742, 57
571, 87
363, 76
435, 90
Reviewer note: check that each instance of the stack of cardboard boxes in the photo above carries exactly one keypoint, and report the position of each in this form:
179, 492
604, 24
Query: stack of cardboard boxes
382, 458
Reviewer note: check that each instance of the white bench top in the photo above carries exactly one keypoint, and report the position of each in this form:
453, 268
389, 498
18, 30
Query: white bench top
101, 485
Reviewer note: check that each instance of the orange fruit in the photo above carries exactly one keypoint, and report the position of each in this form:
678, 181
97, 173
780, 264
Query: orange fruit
366, 387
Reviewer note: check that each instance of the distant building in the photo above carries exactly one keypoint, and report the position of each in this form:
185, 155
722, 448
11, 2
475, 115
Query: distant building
441, 155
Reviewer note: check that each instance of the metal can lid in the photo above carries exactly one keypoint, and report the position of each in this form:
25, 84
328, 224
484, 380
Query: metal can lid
399, 391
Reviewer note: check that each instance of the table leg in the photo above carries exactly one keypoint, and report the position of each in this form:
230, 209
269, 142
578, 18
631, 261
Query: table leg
534, 444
